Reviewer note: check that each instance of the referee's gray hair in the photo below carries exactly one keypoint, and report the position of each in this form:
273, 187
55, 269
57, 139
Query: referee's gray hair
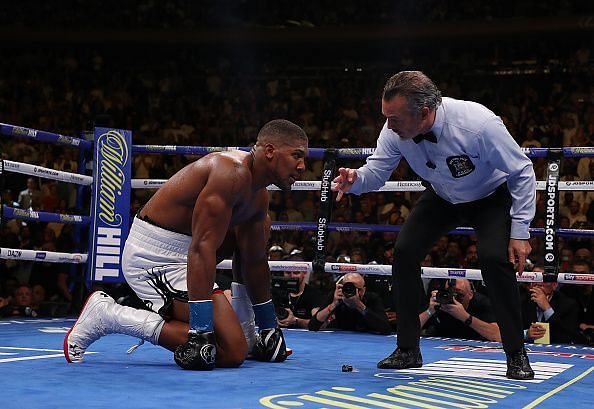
416, 87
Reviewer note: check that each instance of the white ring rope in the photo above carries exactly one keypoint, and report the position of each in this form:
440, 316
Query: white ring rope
426, 272
306, 266
157, 183
44, 256
392, 186
47, 173
375, 269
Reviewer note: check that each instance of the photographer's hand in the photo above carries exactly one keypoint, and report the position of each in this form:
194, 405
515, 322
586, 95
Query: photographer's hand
488, 330
456, 310
354, 303
288, 321
428, 313
433, 304
338, 295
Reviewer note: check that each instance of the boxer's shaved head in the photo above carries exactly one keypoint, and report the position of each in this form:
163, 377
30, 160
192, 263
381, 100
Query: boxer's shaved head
280, 132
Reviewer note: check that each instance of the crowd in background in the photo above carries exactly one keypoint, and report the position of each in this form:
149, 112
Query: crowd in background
187, 14
183, 97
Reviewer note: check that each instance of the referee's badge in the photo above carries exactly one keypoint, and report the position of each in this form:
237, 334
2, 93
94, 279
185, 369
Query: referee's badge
460, 165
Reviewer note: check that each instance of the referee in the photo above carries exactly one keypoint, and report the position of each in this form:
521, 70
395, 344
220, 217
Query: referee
476, 175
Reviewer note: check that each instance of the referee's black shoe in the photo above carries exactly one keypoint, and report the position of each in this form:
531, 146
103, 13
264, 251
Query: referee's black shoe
402, 359
518, 366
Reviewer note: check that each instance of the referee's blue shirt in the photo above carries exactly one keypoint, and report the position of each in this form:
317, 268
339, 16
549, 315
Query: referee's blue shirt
474, 154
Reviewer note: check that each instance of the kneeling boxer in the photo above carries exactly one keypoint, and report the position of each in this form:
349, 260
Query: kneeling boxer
172, 248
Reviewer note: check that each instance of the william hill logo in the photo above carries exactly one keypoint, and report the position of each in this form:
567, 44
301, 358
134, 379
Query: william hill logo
114, 153
30, 214
67, 218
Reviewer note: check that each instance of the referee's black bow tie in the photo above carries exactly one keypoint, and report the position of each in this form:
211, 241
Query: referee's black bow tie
428, 136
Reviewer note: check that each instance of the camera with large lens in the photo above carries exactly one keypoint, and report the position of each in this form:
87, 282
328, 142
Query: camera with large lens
349, 289
280, 290
446, 295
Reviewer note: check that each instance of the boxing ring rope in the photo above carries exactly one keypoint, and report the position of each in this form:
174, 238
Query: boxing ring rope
347, 153
426, 272
44, 256
44, 136
410, 186
381, 228
315, 153
40, 216
9, 212
47, 173
390, 186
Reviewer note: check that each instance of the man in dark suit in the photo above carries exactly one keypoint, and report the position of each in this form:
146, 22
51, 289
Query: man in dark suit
542, 303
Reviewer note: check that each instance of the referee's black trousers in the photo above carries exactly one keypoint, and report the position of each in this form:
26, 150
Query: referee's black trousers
430, 218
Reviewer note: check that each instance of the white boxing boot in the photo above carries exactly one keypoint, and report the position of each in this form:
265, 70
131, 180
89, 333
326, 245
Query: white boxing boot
100, 316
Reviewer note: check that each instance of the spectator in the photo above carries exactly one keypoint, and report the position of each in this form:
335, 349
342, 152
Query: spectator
21, 303
582, 295
50, 202
38, 299
30, 198
583, 254
541, 303
293, 215
358, 256
471, 259
453, 256
566, 259
531, 141
575, 214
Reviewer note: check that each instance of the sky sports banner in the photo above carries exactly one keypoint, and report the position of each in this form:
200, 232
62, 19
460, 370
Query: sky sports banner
110, 207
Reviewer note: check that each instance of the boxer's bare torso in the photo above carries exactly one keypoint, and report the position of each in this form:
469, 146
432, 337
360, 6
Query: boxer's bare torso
227, 174
225, 192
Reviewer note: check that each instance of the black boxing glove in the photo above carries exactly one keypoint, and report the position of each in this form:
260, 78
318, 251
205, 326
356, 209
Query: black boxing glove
198, 353
270, 346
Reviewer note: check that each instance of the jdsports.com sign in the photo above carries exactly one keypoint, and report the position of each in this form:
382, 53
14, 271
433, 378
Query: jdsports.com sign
552, 199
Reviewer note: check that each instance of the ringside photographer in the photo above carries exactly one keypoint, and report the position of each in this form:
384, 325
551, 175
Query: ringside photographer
458, 311
295, 306
350, 307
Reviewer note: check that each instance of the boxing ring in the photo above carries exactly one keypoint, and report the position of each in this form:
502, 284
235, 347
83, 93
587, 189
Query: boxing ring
457, 373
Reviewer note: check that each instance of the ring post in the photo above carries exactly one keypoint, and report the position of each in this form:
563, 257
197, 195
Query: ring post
110, 204
325, 211
551, 261
1, 190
